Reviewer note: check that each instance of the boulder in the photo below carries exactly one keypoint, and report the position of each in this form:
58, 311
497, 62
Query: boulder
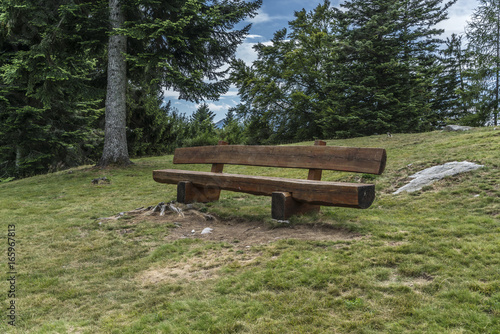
432, 174
457, 128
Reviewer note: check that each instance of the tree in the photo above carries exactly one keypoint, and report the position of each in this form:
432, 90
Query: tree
457, 92
483, 33
285, 90
180, 45
371, 68
115, 135
201, 128
233, 131
390, 66
49, 89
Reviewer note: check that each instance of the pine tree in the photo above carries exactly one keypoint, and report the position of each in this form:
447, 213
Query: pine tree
49, 91
233, 130
115, 135
202, 130
483, 33
179, 45
371, 68
390, 65
456, 91
286, 89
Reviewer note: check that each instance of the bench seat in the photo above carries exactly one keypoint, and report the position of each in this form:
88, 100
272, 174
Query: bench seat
289, 196
353, 195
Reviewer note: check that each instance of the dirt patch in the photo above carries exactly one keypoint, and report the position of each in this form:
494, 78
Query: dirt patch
201, 267
188, 222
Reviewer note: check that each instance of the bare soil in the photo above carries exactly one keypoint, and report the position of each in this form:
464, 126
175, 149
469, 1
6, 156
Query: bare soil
189, 223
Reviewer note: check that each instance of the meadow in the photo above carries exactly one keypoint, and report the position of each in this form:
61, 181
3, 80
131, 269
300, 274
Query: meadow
425, 262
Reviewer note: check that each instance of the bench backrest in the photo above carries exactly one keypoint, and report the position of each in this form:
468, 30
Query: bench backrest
347, 159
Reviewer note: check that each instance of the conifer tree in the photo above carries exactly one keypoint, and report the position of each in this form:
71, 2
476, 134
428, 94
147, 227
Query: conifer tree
49, 87
287, 88
483, 33
370, 68
390, 64
180, 44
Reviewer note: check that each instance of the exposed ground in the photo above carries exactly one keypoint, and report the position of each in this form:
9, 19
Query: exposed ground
189, 222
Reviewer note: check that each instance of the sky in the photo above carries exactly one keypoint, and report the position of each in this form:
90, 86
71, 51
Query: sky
275, 15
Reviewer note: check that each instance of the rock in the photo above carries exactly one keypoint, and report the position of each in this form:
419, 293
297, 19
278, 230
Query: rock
457, 128
432, 174
207, 230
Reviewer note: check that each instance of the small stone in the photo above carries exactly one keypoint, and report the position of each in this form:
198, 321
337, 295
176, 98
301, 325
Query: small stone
207, 230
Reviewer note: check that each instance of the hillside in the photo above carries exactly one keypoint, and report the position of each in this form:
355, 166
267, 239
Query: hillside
426, 262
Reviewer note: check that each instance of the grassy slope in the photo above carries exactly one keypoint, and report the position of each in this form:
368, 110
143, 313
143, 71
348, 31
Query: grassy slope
427, 262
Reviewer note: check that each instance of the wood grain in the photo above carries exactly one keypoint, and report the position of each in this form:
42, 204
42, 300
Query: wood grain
354, 195
349, 159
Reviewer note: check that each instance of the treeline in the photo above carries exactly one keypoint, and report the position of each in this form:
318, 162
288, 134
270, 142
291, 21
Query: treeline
368, 67
372, 67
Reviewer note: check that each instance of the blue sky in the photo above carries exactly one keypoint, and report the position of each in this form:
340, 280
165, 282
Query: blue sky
275, 15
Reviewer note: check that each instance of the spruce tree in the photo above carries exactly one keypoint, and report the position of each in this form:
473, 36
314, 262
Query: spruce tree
180, 44
483, 33
390, 65
49, 90
286, 90
370, 68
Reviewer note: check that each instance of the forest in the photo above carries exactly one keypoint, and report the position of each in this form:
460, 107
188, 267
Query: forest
82, 81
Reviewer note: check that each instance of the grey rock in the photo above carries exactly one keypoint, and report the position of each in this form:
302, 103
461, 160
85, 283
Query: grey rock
432, 174
457, 128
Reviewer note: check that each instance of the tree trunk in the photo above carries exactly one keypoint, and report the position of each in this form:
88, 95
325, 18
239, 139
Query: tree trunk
497, 70
115, 139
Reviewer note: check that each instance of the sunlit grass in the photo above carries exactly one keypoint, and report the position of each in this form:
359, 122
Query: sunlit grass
426, 262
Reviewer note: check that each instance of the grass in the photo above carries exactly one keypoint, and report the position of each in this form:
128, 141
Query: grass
427, 262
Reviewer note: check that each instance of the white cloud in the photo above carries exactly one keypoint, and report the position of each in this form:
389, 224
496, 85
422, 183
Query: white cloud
233, 91
458, 14
261, 17
246, 53
216, 107
253, 36
170, 94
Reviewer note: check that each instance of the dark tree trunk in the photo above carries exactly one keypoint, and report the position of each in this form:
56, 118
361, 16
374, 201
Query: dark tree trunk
115, 139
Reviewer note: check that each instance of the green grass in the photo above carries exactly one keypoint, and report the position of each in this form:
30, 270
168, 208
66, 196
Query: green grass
427, 262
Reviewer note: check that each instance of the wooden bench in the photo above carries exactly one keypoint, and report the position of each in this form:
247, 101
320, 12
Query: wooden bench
289, 196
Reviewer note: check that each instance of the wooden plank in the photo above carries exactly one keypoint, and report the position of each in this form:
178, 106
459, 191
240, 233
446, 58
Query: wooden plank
352, 195
284, 206
349, 159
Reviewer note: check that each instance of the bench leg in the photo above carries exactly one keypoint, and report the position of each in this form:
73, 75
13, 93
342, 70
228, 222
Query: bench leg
187, 192
283, 206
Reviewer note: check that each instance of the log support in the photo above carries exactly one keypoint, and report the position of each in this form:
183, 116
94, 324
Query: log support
283, 206
187, 192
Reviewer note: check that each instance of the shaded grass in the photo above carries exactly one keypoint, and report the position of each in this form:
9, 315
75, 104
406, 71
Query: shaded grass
426, 262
